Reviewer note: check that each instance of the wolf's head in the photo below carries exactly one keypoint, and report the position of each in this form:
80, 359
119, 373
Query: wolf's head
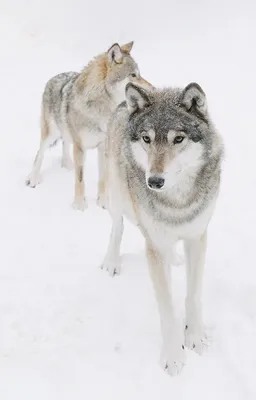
122, 69
170, 132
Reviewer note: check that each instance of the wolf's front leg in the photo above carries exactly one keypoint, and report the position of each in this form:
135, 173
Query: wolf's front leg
173, 354
112, 261
80, 202
195, 258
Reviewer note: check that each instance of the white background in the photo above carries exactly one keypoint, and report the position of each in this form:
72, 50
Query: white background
67, 330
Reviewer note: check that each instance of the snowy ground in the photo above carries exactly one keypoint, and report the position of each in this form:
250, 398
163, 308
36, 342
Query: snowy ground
67, 330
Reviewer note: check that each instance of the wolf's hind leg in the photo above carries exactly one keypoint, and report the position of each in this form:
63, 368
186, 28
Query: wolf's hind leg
101, 198
66, 160
80, 202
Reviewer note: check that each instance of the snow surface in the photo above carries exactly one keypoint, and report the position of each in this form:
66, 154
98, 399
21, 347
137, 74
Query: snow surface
68, 330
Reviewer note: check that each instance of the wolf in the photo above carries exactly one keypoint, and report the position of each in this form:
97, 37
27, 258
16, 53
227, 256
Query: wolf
163, 174
77, 106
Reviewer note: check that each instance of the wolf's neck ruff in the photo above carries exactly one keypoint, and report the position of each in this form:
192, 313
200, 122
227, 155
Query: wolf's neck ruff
190, 195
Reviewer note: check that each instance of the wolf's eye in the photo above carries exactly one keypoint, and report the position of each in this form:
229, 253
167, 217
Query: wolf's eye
146, 139
133, 75
178, 139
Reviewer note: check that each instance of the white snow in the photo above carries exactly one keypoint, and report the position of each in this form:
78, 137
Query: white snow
68, 330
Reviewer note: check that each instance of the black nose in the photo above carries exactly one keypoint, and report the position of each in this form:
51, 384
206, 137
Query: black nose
154, 182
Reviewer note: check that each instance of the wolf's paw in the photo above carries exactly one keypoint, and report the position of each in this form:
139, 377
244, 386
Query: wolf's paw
67, 163
173, 359
196, 340
33, 181
113, 268
80, 204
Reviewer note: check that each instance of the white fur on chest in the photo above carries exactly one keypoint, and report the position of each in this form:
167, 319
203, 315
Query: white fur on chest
162, 233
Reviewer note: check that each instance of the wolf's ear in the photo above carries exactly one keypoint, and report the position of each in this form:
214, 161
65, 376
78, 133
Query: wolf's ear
194, 100
137, 98
115, 54
126, 48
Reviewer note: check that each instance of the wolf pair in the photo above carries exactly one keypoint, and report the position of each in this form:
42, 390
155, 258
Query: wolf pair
162, 172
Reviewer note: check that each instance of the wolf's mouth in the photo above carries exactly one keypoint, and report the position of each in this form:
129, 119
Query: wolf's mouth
155, 189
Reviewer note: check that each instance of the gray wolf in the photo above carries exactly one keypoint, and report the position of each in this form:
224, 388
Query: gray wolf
77, 106
163, 173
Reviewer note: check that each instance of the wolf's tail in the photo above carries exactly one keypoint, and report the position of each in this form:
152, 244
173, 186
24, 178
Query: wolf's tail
47, 131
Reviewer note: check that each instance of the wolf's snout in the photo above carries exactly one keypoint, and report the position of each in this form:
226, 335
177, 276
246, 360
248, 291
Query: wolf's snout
155, 182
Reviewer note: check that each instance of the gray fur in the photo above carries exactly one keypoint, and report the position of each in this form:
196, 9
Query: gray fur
74, 109
164, 168
79, 106
165, 111
57, 96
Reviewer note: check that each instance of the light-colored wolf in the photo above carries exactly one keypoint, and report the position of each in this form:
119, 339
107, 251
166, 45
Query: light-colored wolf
77, 107
163, 173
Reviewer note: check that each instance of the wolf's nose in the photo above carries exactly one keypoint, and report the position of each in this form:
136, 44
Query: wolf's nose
154, 182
